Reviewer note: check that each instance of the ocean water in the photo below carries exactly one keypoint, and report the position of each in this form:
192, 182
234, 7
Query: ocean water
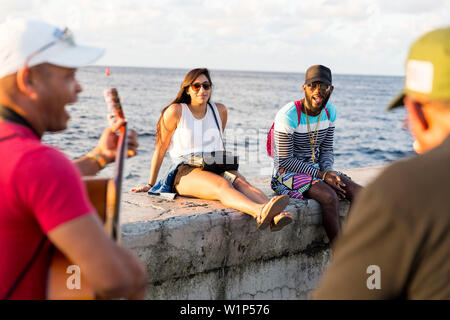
365, 135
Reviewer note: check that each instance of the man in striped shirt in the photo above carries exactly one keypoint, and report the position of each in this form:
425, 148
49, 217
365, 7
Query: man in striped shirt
303, 152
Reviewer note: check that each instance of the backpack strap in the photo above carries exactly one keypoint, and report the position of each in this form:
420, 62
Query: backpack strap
328, 115
298, 106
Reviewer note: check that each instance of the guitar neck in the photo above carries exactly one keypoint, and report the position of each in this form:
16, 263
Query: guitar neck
112, 222
118, 176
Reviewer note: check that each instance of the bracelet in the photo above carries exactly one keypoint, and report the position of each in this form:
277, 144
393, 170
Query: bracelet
324, 175
99, 159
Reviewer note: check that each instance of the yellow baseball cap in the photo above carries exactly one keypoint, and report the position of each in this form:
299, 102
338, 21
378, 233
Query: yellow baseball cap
428, 68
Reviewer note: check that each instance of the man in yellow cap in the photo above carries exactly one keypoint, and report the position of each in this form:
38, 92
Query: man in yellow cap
396, 242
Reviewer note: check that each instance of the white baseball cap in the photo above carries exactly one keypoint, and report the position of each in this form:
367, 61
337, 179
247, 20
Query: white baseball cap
33, 42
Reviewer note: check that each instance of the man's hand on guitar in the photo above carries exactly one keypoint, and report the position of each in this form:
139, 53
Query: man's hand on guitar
107, 144
106, 150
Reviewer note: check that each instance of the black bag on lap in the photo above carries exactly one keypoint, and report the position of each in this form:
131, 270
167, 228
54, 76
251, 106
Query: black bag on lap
216, 161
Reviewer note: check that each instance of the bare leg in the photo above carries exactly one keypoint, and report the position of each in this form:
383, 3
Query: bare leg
256, 195
352, 189
208, 185
251, 192
329, 201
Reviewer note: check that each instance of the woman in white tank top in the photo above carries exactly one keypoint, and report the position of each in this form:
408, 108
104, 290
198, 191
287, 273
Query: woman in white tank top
188, 126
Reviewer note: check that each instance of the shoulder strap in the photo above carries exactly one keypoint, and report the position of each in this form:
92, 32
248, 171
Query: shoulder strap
217, 123
298, 106
25, 270
9, 137
10, 115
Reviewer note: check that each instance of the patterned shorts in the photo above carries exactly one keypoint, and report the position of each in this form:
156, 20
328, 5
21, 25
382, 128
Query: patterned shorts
293, 184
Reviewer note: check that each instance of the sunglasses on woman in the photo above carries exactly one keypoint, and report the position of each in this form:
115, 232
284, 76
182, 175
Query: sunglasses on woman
196, 86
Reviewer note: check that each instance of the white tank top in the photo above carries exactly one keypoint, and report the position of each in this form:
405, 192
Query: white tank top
194, 135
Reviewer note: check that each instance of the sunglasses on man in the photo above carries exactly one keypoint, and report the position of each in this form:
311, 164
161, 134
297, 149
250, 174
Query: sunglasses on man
322, 86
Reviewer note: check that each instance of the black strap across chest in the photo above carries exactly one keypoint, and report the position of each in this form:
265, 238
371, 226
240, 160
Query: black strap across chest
10, 115
217, 123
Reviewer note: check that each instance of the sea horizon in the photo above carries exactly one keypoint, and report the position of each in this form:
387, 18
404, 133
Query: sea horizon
366, 135
241, 70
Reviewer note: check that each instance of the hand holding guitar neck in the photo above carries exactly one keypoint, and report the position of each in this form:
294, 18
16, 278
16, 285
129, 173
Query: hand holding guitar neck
117, 119
113, 103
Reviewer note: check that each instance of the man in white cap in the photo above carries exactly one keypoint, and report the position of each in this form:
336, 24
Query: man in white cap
396, 243
43, 200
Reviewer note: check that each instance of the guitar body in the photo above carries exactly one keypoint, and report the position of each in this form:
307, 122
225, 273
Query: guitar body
58, 276
103, 196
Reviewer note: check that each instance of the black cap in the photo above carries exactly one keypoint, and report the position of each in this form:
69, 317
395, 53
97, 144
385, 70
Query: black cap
318, 73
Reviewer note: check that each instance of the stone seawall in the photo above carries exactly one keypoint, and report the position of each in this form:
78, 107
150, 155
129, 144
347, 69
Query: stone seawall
198, 249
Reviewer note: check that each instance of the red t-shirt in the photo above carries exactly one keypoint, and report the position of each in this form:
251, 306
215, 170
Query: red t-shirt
40, 189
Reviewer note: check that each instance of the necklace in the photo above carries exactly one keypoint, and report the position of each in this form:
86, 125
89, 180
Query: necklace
313, 137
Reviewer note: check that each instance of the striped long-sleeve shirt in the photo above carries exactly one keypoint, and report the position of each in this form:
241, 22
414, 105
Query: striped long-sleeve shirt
291, 143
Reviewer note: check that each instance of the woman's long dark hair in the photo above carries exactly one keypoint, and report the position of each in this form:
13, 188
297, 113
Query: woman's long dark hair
182, 96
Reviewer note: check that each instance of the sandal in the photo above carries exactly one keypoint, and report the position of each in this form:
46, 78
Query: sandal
273, 207
280, 221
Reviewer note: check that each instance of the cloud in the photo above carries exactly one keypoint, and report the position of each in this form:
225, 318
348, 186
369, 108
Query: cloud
286, 35
413, 6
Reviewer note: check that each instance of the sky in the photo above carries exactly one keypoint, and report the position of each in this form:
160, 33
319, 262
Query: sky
370, 37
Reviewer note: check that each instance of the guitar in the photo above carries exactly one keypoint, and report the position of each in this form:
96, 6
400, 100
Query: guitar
104, 194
